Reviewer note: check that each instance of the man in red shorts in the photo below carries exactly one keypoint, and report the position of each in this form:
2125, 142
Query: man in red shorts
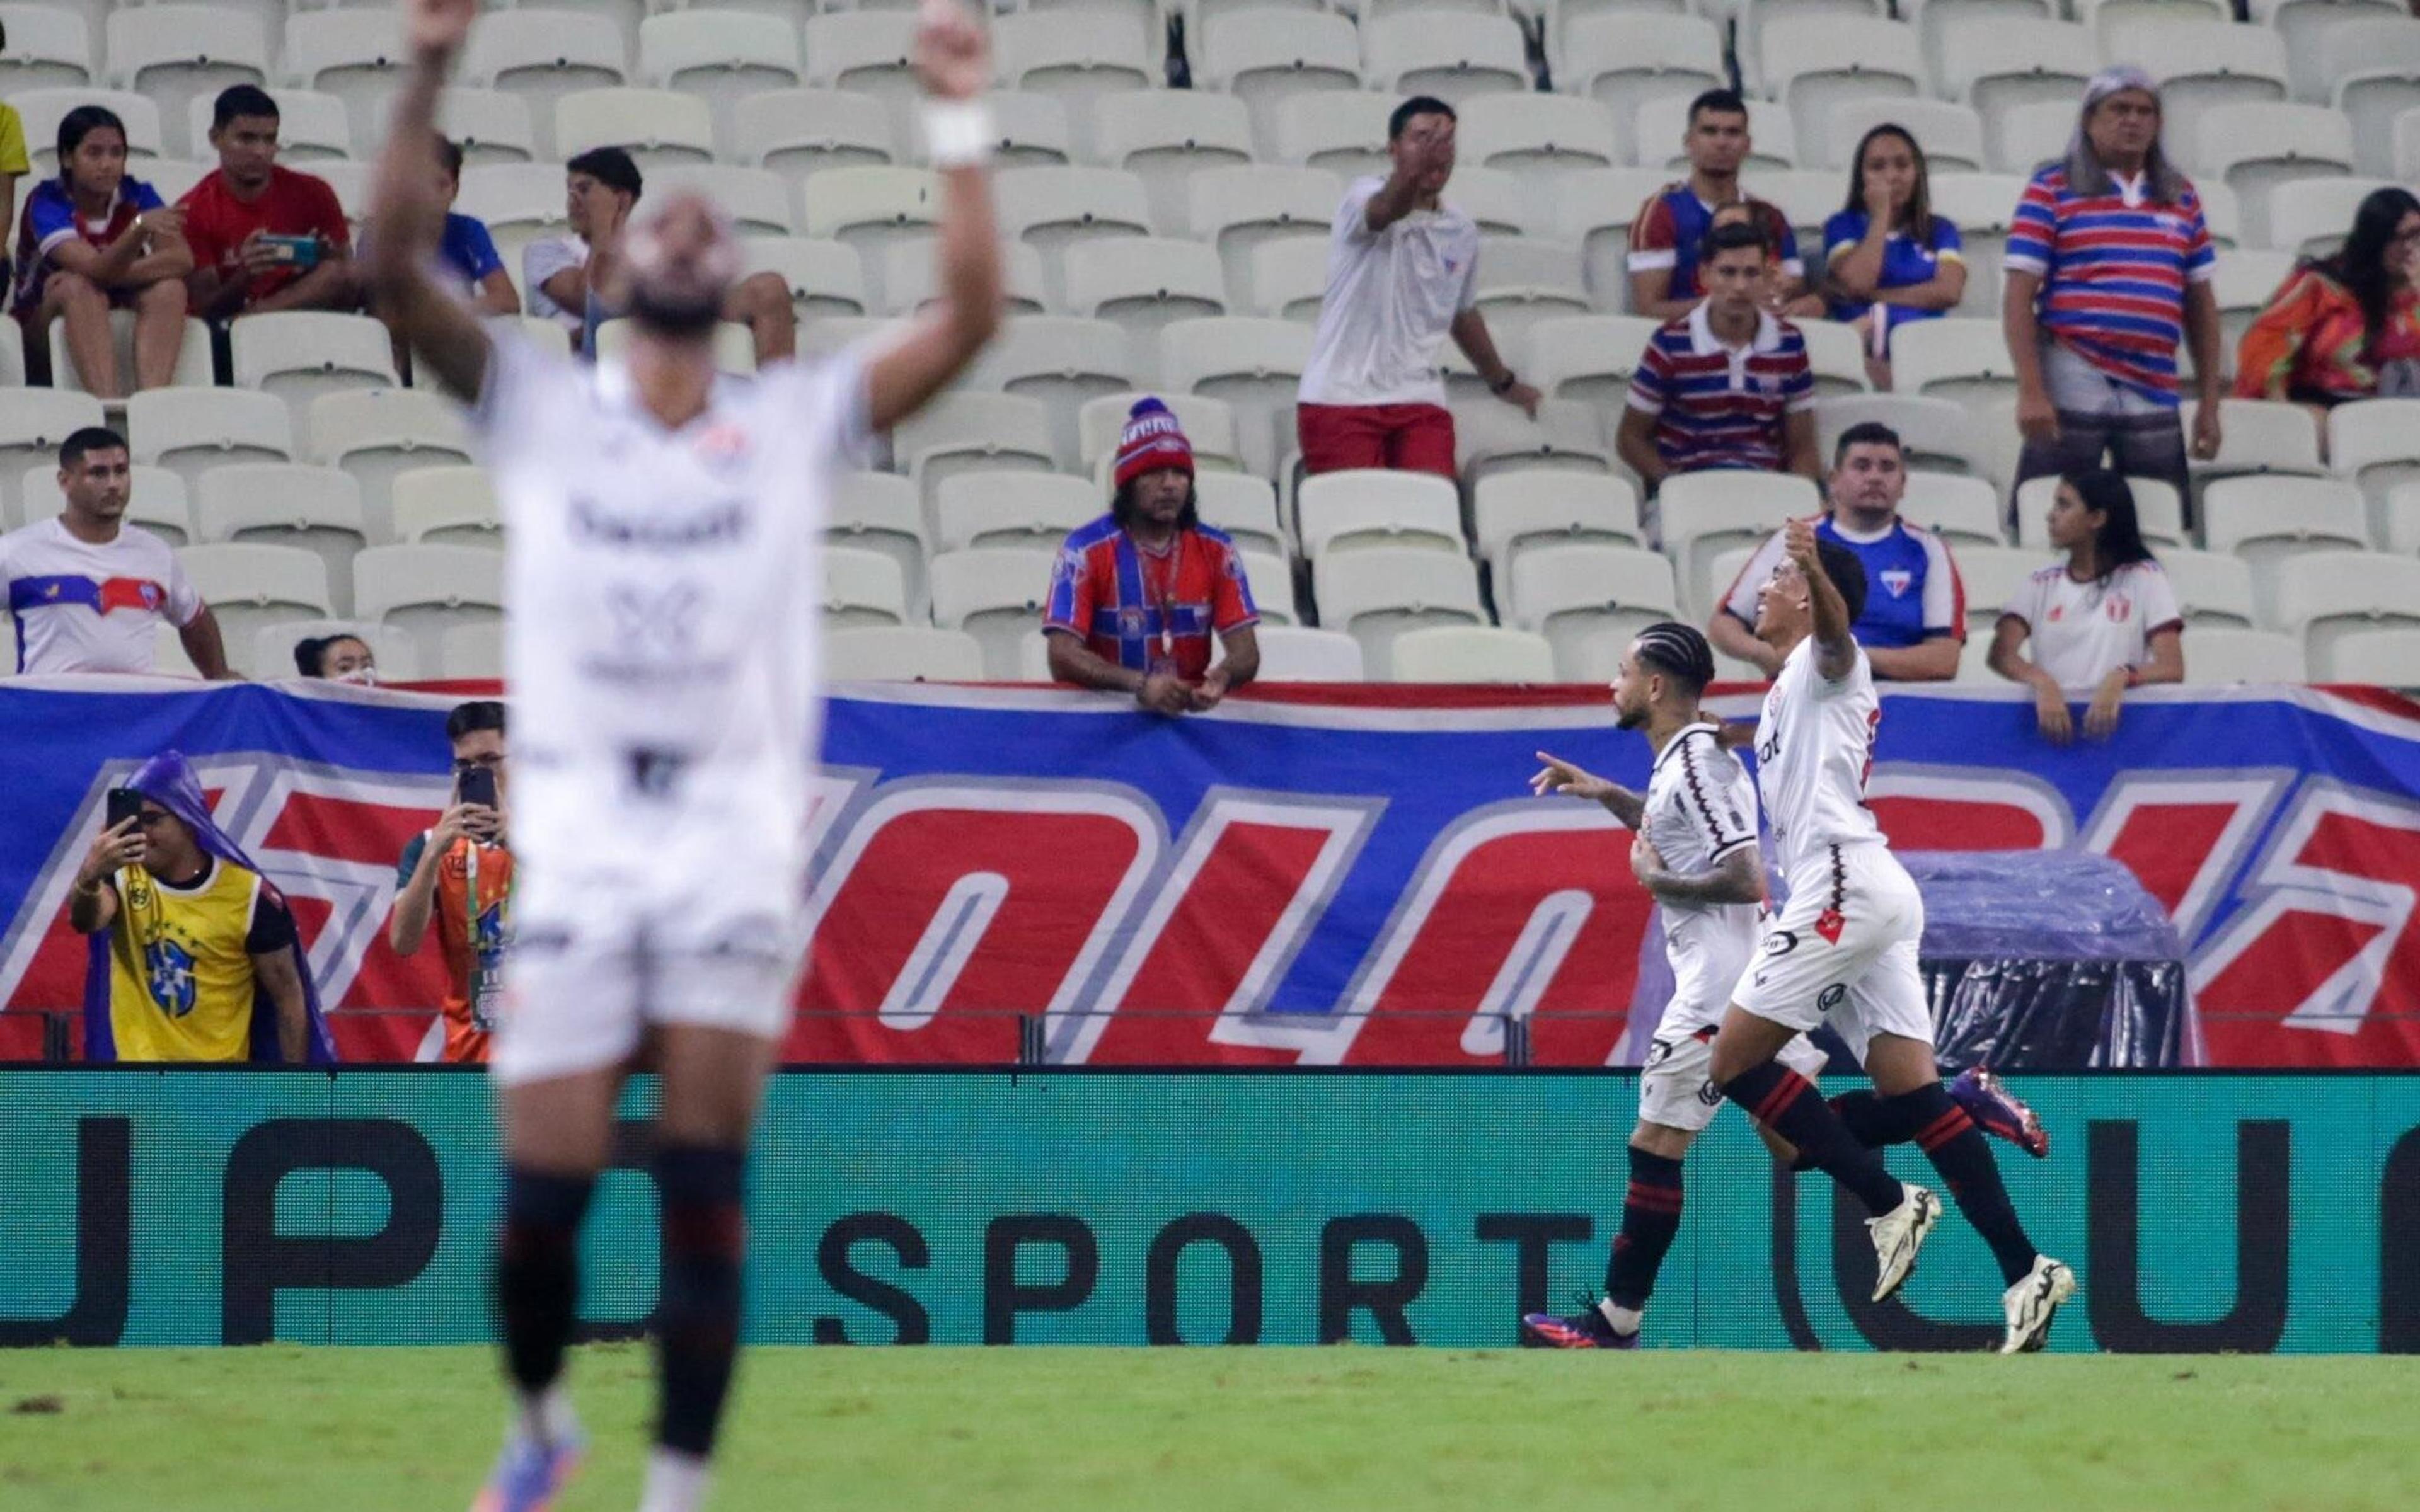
1403, 269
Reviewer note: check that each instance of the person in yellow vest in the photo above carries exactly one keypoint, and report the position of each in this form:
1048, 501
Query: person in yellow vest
197, 946
458, 876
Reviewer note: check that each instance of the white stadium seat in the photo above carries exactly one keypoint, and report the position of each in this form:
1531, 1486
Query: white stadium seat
251, 586
1031, 130
2201, 63
191, 430
2025, 136
1626, 58
2259, 436
1289, 277
1526, 280
1060, 361
823, 277
2253, 148
2324, 595
1992, 576
1290, 654
2217, 655
357, 56
902, 654
376, 434
1498, 201
1588, 357
1375, 595
800, 131
1012, 509
881, 512
968, 430
1491, 438
299, 355
2243, 281
315, 509
2387, 657
1963, 511
2306, 26
861, 588
2376, 444
720, 56
657, 127
446, 506
542, 55
1164, 136
875, 209
756, 199
2311, 217
158, 501
49, 47
1934, 435
173, 52
1057, 207
1950, 134
1262, 55
1539, 134
1589, 602
1244, 508
1815, 62
866, 51
1343, 130
1594, 211
428, 589
475, 651
1545, 507
2210, 587
1270, 577
1992, 62
1704, 513
192, 368
1836, 355
1255, 365
2373, 70
1472, 654
2266, 519
1956, 358
33, 423
1208, 424
1359, 509
1238, 209
1077, 54
995, 595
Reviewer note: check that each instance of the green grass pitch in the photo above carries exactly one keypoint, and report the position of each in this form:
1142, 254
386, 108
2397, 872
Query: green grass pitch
1174, 1430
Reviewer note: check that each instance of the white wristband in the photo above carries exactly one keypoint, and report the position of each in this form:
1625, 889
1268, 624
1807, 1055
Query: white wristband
958, 133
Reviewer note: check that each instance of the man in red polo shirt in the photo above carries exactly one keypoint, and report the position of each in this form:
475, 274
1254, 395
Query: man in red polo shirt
1138, 593
235, 218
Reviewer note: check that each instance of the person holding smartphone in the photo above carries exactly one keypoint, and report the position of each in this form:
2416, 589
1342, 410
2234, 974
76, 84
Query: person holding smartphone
458, 876
265, 238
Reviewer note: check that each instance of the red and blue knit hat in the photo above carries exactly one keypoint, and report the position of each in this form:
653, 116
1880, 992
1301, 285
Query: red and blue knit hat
1151, 439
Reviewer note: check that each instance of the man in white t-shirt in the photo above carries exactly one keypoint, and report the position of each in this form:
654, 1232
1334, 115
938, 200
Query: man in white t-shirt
1402, 274
85, 592
665, 678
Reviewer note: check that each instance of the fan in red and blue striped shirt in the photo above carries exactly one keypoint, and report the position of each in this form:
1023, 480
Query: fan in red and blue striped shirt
1726, 385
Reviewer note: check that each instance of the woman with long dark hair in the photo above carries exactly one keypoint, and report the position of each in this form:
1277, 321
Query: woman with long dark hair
1889, 259
2105, 618
95, 240
2346, 326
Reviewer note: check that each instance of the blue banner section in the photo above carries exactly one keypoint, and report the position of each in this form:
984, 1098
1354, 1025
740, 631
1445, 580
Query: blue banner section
1351, 876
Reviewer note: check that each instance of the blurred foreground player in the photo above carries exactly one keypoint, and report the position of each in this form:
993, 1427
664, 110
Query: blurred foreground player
1697, 855
1845, 947
663, 655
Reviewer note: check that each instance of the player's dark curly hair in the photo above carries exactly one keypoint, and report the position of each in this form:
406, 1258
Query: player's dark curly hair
1848, 575
1680, 652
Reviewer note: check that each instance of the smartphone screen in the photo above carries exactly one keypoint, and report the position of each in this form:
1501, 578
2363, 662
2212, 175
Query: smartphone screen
124, 804
478, 785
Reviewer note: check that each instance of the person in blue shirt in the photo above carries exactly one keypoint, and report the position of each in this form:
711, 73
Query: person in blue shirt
1889, 258
466, 250
1914, 622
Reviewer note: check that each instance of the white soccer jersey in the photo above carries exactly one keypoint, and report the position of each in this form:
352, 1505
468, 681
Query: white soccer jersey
661, 644
1814, 751
81, 607
1700, 807
2082, 632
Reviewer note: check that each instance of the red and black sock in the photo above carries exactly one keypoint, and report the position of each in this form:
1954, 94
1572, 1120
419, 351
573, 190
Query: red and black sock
1963, 1157
1871, 1119
697, 1311
1651, 1216
537, 1272
1787, 1103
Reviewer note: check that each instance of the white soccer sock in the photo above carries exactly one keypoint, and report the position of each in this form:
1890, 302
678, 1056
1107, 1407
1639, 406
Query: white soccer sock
675, 1483
545, 1416
1624, 1319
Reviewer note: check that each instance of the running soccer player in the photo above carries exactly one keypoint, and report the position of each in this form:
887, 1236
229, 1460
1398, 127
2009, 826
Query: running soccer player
1845, 947
1697, 855
661, 648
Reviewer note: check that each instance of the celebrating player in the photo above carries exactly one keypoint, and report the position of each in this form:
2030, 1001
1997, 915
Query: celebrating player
1696, 853
1845, 947
662, 653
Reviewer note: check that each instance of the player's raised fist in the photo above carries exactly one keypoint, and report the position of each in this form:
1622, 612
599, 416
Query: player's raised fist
1798, 539
952, 52
438, 26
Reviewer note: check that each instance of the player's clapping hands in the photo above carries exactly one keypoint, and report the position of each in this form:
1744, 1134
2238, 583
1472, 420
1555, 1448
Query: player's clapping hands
952, 54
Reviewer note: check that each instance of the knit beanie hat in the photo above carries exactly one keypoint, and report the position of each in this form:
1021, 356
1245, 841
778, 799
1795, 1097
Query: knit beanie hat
1151, 441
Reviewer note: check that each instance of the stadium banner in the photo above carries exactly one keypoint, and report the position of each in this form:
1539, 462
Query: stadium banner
1307, 875
2204, 1211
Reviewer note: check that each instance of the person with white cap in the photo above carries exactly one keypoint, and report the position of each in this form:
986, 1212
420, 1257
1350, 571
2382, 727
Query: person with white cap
2109, 263
1138, 594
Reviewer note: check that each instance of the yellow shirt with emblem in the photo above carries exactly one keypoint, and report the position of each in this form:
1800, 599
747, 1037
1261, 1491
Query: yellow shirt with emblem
181, 977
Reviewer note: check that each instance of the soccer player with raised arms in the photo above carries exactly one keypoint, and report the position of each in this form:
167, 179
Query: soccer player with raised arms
1844, 948
665, 525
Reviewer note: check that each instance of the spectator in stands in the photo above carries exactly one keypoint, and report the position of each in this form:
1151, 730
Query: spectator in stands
1138, 593
336, 658
1726, 384
459, 874
86, 590
14, 164
1914, 622
578, 273
601, 185
265, 238
2109, 263
95, 240
2105, 618
2345, 326
194, 955
1402, 274
1888, 258
1668, 237
466, 250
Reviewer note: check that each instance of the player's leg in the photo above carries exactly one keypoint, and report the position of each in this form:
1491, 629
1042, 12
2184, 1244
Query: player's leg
1650, 1218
